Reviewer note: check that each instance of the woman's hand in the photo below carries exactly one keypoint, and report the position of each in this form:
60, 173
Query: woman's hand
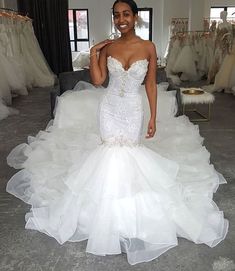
98, 63
96, 48
151, 128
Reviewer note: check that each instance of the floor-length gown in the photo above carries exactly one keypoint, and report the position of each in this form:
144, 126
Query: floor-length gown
97, 181
225, 78
222, 46
185, 62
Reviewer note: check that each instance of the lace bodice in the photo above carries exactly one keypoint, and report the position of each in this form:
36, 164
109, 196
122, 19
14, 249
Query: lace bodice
126, 82
121, 110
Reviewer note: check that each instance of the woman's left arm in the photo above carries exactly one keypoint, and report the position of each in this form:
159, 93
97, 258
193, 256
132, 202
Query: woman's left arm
151, 89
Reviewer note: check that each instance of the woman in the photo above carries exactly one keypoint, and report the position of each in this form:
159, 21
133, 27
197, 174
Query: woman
114, 192
127, 51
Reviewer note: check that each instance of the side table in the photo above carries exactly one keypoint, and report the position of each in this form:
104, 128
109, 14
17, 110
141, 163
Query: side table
190, 102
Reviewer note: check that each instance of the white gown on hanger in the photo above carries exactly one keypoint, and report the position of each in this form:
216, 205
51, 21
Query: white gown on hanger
14, 57
225, 78
10, 68
172, 56
206, 55
185, 63
41, 75
100, 183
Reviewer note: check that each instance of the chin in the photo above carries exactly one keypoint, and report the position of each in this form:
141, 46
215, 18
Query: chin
124, 31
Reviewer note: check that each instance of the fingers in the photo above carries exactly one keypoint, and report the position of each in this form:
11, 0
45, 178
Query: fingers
102, 44
151, 132
108, 41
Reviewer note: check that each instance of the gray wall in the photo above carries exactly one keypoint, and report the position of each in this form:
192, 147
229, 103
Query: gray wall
8, 4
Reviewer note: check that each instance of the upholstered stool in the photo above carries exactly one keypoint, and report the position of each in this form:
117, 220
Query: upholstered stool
191, 97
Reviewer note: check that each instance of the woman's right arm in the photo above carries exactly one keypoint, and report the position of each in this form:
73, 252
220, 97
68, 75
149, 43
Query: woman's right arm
98, 64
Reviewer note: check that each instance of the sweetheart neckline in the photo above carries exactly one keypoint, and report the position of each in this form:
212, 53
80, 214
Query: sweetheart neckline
132, 64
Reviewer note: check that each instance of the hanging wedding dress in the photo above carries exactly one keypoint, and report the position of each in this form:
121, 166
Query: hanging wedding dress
14, 56
205, 55
40, 73
225, 78
107, 184
22, 64
174, 50
221, 49
186, 62
9, 79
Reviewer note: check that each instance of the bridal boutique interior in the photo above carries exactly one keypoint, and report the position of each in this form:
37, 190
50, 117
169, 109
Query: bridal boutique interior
195, 49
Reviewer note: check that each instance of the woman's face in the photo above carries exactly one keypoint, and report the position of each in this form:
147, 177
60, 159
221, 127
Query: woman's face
123, 17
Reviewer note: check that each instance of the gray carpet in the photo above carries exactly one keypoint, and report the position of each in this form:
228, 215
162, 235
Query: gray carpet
26, 250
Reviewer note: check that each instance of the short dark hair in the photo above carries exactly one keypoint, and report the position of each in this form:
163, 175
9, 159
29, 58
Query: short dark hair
131, 3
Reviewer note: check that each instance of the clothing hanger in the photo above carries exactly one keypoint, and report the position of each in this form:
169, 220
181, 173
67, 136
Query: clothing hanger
11, 13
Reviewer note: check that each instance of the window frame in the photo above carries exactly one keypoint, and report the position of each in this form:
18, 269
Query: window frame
150, 21
76, 39
218, 19
224, 7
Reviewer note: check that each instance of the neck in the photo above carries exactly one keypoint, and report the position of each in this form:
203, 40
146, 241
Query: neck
128, 36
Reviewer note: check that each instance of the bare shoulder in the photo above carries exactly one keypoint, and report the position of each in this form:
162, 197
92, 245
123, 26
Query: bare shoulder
150, 46
112, 46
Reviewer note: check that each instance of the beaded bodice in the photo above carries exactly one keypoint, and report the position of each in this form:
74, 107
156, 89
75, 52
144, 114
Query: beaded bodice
126, 82
121, 109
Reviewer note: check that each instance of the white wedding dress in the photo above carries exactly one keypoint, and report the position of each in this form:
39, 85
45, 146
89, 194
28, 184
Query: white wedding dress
103, 182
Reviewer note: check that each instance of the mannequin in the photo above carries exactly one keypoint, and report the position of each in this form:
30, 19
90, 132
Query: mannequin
223, 43
225, 23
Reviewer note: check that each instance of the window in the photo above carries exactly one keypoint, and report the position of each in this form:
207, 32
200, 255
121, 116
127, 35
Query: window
231, 12
145, 29
215, 13
79, 29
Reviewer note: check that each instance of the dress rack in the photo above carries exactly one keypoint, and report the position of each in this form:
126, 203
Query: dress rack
12, 12
192, 32
197, 31
7, 9
218, 19
182, 18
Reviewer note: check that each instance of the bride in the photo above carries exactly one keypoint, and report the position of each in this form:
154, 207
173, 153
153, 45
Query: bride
108, 184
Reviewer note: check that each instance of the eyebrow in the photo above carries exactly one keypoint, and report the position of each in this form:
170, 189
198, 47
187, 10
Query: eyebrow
116, 12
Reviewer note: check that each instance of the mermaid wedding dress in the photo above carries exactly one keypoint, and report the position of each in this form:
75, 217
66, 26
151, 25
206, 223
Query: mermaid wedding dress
109, 185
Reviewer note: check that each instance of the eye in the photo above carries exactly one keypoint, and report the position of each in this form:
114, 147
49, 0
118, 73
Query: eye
116, 16
126, 14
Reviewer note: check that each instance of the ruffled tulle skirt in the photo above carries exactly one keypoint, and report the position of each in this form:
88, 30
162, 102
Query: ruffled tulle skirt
135, 199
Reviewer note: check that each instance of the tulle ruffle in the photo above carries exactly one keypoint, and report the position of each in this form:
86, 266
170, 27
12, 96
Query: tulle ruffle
133, 199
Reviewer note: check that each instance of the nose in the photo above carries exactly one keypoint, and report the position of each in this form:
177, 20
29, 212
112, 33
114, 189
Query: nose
121, 18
